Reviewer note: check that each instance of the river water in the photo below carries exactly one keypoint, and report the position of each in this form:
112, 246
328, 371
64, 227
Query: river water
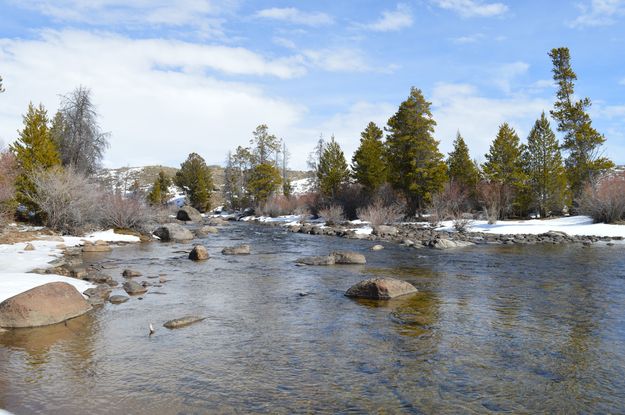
494, 329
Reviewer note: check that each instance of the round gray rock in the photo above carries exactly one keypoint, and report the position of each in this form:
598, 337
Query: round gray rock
380, 289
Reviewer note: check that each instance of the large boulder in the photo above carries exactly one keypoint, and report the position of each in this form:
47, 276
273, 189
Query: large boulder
173, 232
380, 289
205, 230
242, 249
189, 214
43, 305
198, 253
347, 257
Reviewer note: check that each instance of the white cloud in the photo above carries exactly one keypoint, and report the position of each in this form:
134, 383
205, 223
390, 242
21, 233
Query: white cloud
462, 107
200, 15
336, 59
622, 81
463, 40
505, 75
296, 16
154, 96
473, 8
393, 20
599, 13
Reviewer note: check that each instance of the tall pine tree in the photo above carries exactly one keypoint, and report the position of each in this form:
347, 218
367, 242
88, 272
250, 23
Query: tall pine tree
416, 166
545, 170
461, 169
581, 141
504, 167
196, 179
34, 150
332, 171
368, 163
159, 194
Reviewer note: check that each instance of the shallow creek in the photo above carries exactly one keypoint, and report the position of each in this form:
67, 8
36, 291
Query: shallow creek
494, 329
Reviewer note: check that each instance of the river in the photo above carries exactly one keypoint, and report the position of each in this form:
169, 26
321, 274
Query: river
493, 329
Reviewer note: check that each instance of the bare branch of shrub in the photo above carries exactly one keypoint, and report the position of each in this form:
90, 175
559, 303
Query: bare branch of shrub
380, 214
604, 199
128, 213
333, 215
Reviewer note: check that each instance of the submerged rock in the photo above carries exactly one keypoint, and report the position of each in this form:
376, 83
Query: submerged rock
173, 232
129, 273
189, 213
242, 249
98, 246
198, 253
134, 288
118, 299
43, 305
316, 260
205, 230
347, 257
447, 244
182, 321
380, 289
377, 247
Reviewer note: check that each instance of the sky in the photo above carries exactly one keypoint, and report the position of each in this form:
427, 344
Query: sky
171, 77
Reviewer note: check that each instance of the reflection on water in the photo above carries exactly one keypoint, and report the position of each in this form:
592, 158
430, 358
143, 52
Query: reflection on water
492, 330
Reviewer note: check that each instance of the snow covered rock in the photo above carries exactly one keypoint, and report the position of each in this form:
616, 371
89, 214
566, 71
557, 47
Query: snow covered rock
46, 304
380, 289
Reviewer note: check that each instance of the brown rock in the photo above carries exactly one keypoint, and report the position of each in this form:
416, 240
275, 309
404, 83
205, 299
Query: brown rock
43, 305
380, 289
129, 273
198, 253
182, 321
134, 288
242, 249
98, 246
29, 247
346, 257
316, 260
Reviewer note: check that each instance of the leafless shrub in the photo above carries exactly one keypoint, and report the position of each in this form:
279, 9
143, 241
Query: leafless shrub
490, 198
604, 200
463, 222
333, 215
164, 214
448, 204
68, 200
279, 206
8, 172
379, 214
126, 212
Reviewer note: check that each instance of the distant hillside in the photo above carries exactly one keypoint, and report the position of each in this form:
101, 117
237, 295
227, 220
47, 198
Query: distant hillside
123, 178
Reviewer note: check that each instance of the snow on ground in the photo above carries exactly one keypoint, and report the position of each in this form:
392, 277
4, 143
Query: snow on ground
15, 262
572, 225
301, 186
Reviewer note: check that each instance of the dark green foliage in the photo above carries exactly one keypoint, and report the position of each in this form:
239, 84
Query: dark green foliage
415, 164
160, 195
264, 181
504, 167
581, 141
368, 163
34, 151
332, 172
545, 170
461, 169
264, 144
196, 179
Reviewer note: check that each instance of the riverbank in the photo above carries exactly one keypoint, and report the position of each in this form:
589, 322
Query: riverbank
35, 254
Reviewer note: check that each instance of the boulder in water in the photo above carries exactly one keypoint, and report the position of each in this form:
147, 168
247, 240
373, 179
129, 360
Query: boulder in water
182, 321
189, 214
198, 253
242, 249
173, 232
380, 289
348, 257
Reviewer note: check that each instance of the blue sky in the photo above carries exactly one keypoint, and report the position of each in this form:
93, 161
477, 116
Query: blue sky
173, 77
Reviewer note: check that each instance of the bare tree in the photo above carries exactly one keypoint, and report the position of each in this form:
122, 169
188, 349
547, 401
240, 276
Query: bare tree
75, 129
1, 86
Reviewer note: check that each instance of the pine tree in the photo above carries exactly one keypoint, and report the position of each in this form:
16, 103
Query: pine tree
264, 180
581, 141
368, 164
196, 179
314, 158
461, 169
160, 194
332, 172
545, 170
264, 144
504, 167
34, 150
416, 166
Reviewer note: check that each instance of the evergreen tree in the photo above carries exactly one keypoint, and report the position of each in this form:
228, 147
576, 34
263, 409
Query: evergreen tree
34, 150
264, 144
504, 167
160, 194
368, 164
264, 180
332, 172
196, 179
461, 169
581, 141
416, 166
314, 158
545, 170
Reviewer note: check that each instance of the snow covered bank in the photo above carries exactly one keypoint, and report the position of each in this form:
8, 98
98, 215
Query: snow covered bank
15, 262
573, 225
